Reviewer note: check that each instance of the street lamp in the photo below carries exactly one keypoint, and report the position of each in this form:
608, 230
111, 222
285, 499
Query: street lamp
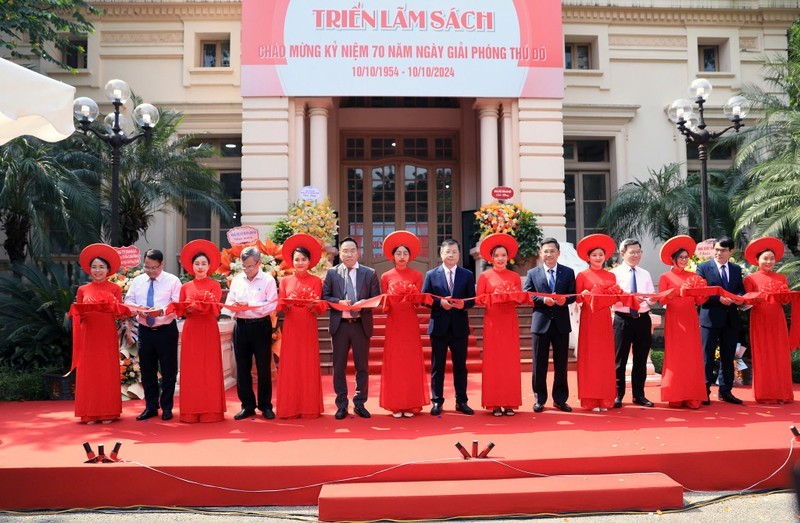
119, 131
693, 126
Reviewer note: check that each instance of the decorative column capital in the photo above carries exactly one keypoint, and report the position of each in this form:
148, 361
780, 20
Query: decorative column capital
319, 106
487, 107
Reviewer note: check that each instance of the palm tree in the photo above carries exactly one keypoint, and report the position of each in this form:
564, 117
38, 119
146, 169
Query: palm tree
769, 154
663, 205
40, 196
163, 172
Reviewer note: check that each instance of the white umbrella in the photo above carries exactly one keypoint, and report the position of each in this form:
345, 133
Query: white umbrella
33, 104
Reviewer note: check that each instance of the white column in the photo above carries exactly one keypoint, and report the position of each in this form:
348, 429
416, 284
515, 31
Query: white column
541, 158
507, 141
318, 115
490, 172
299, 175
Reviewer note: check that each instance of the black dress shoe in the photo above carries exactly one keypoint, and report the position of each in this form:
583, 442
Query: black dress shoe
538, 407
464, 409
563, 407
361, 411
730, 398
341, 413
644, 402
147, 414
618, 402
244, 413
166, 415
269, 414
436, 409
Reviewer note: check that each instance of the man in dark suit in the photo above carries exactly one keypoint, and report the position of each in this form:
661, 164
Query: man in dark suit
550, 324
347, 284
719, 317
449, 325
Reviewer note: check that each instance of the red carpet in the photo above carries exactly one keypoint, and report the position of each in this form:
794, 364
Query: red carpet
720, 447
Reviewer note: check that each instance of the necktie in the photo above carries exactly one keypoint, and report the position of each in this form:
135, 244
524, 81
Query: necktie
350, 292
724, 271
450, 281
551, 280
634, 290
151, 294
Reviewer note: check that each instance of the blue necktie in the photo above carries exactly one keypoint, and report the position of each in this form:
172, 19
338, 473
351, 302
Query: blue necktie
634, 290
723, 269
350, 293
551, 281
151, 294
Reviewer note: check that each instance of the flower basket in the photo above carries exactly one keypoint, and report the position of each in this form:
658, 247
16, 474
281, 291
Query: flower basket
513, 219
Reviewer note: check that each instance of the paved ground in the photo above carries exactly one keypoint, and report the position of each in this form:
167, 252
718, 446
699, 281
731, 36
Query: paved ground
772, 508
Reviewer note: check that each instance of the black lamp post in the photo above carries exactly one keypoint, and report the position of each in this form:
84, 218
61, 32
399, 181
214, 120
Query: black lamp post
120, 132
693, 126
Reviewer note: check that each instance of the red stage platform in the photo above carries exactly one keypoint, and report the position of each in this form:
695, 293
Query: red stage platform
257, 462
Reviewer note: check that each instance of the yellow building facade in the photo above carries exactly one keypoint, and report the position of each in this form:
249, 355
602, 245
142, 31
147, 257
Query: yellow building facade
424, 162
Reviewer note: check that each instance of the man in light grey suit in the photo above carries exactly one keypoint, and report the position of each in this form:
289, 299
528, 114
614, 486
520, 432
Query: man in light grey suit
347, 284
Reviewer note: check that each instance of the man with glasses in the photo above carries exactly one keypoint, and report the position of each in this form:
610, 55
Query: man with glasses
158, 333
252, 334
719, 318
632, 326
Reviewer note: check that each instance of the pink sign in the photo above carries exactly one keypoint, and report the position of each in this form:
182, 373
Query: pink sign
129, 256
705, 249
503, 48
242, 235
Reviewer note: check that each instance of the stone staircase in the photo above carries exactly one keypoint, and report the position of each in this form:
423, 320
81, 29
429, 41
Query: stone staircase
473, 349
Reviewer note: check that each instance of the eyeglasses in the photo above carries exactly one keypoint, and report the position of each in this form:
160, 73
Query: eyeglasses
635, 253
151, 269
248, 267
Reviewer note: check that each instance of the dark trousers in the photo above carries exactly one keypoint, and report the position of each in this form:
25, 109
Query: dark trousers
458, 354
253, 339
541, 357
726, 338
158, 348
632, 332
347, 336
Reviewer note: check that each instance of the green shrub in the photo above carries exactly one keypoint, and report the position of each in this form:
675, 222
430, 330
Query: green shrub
657, 357
281, 231
17, 385
796, 366
35, 331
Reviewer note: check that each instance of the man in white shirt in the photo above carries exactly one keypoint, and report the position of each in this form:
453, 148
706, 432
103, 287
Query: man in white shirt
158, 333
252, 334
632, 327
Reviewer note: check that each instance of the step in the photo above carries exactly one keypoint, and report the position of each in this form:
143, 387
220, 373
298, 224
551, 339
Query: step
498, 497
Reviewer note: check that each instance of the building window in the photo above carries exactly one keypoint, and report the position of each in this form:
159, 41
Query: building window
354, 149
708, 58
713, 55
577, 55
586, 186
202, 224
215, 53
76, 58
423, 148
